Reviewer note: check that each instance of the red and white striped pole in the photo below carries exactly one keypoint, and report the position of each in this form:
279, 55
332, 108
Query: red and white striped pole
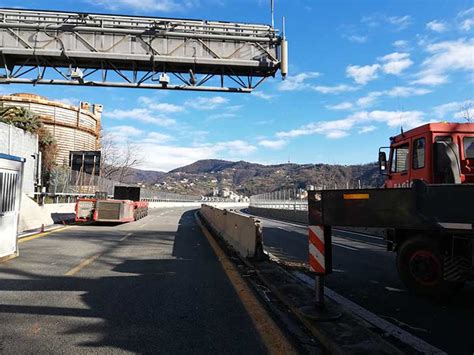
320, 257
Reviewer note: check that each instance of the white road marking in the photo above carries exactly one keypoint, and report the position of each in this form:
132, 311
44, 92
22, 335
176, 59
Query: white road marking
344, 246
363, 242
390, 329
125, 236
356, 243
393, 289
361, 234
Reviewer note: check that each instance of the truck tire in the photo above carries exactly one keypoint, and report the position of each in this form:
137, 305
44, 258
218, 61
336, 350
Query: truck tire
420, 266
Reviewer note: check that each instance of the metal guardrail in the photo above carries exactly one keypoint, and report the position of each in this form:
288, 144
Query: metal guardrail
65, 197
281, 205
287, 199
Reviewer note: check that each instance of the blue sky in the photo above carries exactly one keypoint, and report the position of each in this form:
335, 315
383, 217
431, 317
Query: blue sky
358, 71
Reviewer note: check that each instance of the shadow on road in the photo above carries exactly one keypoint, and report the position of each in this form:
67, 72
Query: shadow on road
150, 302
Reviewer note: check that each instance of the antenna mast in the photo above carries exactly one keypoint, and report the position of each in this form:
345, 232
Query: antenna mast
272, 9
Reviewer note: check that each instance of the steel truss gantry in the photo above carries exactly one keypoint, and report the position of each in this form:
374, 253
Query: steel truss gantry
62, 48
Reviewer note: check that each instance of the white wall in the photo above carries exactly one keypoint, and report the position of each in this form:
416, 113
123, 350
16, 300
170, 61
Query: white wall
15, 141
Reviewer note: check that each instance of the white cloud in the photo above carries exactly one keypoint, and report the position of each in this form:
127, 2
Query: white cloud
220, 116
141, 114
437, 26
174, 156
69, 101
355, 38
122, 133
395, 63
337, 89
467, 24
336, 134
398, 22
450, 108
297, 82
206, 103
343, 127
406, 91
161, 107
466, 19
362, 74
446, 57
341, 106
401, 22
372, 97
155, 137
366, 129
273, 144
146, 5
400, 44
125, 131
262, 95
235, 148
369, 99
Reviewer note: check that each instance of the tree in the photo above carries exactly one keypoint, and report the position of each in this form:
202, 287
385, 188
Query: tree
26, 120
118, 161
21, 118
467, 112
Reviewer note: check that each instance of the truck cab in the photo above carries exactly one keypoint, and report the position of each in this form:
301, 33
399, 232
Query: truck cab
436, 153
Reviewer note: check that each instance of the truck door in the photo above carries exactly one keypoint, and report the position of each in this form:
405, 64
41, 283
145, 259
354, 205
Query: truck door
420, 156
399, 166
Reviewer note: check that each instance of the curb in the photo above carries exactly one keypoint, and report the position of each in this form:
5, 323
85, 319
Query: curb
40, 230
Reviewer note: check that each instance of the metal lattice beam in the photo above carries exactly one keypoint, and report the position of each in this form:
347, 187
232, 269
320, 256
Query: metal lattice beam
61, 48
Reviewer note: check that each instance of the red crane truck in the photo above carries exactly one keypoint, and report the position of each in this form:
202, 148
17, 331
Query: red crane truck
426, 206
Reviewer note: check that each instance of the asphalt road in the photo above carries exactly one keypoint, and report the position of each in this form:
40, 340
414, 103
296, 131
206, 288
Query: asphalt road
365, 273
152, 286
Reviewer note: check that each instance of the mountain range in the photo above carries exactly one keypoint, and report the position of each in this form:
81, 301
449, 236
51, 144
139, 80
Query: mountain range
205, 176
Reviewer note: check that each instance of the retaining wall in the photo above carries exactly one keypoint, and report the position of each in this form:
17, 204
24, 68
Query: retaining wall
243, 233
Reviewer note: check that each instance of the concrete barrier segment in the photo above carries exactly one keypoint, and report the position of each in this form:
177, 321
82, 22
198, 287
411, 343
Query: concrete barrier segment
243, 233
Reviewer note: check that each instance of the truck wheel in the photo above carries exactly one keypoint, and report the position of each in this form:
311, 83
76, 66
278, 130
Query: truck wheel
420, 266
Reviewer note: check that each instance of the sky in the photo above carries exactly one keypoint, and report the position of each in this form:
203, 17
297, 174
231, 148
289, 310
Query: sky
359, 71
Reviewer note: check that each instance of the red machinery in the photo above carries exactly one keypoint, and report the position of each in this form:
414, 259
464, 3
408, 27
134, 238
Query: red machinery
425, 206
112, 210
437, 153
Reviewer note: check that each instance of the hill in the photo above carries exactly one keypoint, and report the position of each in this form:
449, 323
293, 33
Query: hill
204, 176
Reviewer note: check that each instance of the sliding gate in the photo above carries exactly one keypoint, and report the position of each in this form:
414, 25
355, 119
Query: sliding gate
11, 169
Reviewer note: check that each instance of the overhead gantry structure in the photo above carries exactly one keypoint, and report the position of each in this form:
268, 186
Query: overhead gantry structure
65, 48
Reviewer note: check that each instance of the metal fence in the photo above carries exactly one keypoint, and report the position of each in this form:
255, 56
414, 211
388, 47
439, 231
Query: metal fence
287, 199
66, 185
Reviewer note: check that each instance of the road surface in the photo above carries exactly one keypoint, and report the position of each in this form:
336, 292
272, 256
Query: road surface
153, 286
365, 273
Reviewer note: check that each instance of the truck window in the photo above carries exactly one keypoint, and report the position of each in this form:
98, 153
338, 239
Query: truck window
399, 159
468, 147
448, 139
419, 153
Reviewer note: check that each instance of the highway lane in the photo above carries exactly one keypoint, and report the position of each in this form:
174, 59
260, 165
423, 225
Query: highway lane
153, 286
365, 273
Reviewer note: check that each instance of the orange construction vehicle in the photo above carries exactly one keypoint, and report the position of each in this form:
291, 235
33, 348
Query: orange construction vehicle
437, 153
425, 208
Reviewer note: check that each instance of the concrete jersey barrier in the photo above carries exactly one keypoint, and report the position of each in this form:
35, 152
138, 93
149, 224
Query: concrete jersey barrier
243, 233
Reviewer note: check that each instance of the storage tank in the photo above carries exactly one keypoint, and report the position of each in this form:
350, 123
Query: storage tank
75, 128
